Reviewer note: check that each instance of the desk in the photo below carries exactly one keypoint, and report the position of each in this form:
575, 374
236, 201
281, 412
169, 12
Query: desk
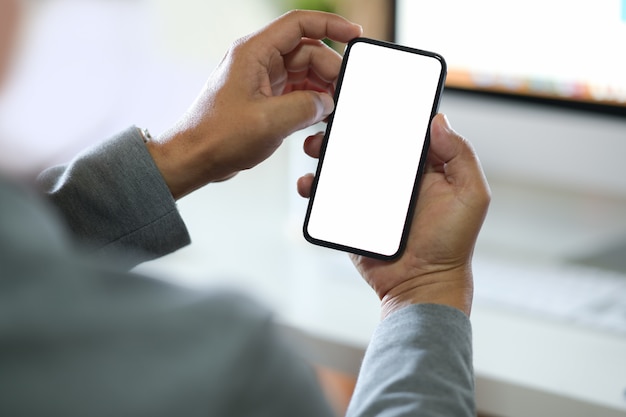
246, 236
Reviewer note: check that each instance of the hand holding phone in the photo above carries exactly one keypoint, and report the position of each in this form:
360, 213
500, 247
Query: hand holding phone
374, 148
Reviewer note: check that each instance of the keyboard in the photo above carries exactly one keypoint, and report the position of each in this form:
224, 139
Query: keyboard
577, 294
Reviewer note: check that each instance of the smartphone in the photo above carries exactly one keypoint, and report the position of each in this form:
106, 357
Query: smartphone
374, 148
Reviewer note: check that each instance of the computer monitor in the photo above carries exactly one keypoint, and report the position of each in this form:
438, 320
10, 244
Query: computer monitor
539, 87
558, 50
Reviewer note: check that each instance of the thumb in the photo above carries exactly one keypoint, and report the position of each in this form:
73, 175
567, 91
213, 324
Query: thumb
298, 110
452, 149
445, 143
461, 164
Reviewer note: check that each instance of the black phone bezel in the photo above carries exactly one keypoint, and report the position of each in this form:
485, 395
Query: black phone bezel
422, 162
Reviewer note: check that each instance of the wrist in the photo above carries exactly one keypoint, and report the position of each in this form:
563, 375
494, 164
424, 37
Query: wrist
453, 288
183, 167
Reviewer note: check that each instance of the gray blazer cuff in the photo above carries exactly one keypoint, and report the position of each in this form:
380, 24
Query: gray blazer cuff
115, 200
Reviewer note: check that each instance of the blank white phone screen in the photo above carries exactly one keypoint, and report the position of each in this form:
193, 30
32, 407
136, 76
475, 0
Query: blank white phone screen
373, 150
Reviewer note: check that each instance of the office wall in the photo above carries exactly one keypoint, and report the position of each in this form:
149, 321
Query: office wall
87, 69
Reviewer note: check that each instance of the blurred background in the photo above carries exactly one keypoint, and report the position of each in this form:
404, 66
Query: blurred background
87, 69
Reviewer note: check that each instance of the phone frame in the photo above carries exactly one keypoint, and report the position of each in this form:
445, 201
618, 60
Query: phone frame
422, 161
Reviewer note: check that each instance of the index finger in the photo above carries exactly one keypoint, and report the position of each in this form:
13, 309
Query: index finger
286, 32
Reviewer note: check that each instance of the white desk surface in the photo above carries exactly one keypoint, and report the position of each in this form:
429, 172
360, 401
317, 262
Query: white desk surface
246, 236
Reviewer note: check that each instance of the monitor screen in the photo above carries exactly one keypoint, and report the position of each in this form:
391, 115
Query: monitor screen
564, 50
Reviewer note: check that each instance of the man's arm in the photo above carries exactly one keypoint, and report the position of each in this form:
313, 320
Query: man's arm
121, 194
114, 200
419, 362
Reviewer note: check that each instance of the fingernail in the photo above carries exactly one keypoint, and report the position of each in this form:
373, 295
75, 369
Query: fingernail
447, 121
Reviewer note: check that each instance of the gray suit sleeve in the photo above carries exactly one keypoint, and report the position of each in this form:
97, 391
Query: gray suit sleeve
115, 201
419, 363
79, 339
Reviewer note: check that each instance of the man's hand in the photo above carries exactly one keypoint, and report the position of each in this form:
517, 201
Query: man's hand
452, 203
269, 85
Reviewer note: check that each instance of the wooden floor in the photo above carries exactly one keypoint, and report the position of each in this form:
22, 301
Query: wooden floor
337, 386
